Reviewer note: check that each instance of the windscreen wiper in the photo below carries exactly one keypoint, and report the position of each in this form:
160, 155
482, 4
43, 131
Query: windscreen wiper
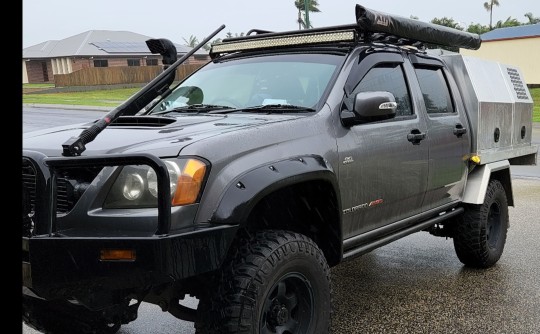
270, 109
197, 108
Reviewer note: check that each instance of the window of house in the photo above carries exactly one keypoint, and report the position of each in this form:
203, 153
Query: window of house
134, 62
388, 77
151, 62
435, 90
101, 63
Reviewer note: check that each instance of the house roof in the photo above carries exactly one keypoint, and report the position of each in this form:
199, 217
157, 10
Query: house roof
97, 43
524, 31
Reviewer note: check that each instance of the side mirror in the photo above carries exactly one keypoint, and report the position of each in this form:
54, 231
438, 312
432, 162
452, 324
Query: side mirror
370, 107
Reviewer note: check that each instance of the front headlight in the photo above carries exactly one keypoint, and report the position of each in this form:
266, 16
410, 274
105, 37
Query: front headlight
137, 186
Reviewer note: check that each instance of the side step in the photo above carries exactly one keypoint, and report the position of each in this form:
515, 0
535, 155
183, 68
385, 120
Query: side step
367, 247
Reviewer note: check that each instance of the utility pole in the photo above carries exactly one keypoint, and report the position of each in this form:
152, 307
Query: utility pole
306, 13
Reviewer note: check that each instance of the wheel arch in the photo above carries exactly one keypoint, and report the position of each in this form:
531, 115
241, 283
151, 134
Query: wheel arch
299, 194
478, 180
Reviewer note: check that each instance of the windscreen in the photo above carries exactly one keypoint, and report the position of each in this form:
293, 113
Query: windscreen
299, 79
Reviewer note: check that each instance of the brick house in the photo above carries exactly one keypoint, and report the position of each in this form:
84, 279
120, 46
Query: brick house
93, 48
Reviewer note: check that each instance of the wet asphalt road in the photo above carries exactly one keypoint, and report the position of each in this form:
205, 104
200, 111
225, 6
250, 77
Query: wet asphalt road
417, 284
414, 285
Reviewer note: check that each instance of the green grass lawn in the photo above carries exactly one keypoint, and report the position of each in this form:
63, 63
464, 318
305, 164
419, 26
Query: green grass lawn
100, 98
535, 92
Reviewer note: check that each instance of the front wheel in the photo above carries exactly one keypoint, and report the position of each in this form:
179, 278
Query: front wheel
276, 282
481, 234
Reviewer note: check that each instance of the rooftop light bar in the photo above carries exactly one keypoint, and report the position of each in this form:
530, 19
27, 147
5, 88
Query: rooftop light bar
286, 40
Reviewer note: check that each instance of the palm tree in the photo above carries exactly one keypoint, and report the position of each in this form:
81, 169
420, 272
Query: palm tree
312, 7
192, 41
489, 7
208, 45
509, 22
532, 19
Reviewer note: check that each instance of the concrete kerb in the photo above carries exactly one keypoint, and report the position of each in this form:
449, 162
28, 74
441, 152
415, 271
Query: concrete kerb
67, 106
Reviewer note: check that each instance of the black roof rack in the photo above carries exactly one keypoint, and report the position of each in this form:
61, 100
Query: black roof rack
371, 26
258, 31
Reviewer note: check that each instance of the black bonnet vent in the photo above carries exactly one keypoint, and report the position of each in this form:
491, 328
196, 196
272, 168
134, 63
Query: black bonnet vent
151, 121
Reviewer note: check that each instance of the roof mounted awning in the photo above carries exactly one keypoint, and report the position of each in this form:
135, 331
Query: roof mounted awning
376, 22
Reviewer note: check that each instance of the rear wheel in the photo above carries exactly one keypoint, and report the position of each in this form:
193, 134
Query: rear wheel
481, 235
276, 282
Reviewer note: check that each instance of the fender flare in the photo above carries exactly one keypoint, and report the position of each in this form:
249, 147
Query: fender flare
478, 179
248, 189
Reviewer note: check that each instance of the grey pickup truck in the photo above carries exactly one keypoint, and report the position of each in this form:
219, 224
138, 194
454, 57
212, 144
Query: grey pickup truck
285, 155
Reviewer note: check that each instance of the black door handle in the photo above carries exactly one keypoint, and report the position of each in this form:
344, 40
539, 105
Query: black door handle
459, 130
416, 136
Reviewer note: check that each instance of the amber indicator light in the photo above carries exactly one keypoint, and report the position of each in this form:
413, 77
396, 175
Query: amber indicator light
117, 255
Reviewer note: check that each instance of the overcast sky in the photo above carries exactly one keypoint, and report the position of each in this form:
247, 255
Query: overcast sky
176, 20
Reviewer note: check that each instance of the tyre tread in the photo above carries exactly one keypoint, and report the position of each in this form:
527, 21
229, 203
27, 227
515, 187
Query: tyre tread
470, 239
244, 272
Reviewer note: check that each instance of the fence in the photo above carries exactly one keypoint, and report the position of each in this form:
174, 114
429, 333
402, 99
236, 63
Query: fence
96, 76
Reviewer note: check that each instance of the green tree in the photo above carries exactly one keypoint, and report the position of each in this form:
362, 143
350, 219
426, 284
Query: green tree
192, 41
208, 45
509, 22
531, 18
447, 22
477, 28
230, 34
312, 8
489, 7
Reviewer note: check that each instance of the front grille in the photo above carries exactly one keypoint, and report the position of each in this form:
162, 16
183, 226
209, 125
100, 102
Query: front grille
29, 183
64, 196
70, 185
29, 180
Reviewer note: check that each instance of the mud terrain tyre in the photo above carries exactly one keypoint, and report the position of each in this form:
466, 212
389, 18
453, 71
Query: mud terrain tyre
481, 235
275, 282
